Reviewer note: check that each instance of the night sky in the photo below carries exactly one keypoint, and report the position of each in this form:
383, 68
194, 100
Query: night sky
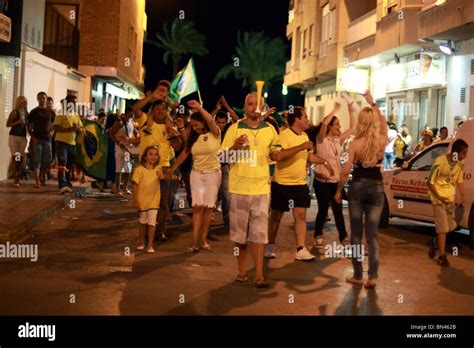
219, 21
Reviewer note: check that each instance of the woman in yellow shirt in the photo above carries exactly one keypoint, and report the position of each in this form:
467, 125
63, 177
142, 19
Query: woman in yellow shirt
146, 195
203, 143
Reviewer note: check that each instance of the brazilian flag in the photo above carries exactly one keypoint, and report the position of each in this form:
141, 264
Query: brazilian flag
91, 150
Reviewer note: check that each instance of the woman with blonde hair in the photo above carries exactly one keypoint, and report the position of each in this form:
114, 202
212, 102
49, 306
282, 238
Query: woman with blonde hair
17, 138
366, 195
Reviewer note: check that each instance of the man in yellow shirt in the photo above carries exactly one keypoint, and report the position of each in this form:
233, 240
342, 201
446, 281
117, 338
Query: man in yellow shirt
66, 127
289, 187
248, 147
446, 174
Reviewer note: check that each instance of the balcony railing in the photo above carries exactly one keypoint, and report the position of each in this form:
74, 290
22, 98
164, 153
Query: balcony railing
61, 38
362, 27
322, 49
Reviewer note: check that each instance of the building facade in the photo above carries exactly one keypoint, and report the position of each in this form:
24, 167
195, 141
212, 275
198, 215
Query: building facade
88, 48
395, 47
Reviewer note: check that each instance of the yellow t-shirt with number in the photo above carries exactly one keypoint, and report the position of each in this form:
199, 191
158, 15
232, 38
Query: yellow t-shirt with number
148, 181
67, 121
204, 152
444, 177
155, 137
249, 171
293, 170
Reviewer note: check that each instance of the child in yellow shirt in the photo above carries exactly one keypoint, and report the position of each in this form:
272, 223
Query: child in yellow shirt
446, 174
146, 195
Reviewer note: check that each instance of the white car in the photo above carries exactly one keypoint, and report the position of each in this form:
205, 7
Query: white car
406, 190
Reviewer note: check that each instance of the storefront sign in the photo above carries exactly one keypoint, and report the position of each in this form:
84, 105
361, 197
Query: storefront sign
352, 80
5, 28
430, 69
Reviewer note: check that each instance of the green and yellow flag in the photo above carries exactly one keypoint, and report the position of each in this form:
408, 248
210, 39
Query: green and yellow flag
91, 150
184, 83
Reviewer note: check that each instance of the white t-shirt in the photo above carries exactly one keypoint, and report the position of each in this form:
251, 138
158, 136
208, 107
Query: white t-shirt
392, 135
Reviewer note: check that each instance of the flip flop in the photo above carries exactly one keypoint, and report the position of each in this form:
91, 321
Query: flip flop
192, 250
241, 279
261, 285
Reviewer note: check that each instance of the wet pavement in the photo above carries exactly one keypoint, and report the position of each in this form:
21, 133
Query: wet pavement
87, 265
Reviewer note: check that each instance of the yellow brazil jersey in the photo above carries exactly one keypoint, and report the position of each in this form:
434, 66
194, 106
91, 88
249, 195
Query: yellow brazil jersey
249, 169
148, 181
293, 170
204, 152
444, 177
155, 137
67, 121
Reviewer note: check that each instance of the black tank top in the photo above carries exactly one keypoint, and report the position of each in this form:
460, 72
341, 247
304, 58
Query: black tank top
20, 129
372, 173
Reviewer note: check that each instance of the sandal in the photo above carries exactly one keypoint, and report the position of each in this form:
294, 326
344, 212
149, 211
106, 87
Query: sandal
206, 246
140, 247
241, 279
150, 251
261, 284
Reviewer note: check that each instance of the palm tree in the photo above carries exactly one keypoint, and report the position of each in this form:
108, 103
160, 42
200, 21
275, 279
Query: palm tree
257, 57
180, 40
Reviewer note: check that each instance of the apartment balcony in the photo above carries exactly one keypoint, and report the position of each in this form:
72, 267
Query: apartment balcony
362, 27
398, 28
447, 20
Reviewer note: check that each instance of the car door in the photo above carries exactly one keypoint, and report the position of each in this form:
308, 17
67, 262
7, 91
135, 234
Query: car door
409, 186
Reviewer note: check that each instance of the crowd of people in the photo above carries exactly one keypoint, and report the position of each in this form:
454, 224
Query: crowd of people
253, 165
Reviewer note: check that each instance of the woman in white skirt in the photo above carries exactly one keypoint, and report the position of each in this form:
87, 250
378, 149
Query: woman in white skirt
203, 143
17, 138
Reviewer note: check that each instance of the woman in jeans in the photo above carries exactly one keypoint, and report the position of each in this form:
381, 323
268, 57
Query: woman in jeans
17, 136
203, 143
329, 142
366, 195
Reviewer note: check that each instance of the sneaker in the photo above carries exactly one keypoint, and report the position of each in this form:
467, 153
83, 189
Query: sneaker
355, 281
318, 242
304, 255
370, 284
443, 261
269, 251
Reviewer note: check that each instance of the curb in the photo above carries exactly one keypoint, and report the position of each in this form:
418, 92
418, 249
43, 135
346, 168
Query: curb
22, 232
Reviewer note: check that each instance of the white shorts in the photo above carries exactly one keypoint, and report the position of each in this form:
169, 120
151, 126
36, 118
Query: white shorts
148, 217
205, 187
123, 161
17, 145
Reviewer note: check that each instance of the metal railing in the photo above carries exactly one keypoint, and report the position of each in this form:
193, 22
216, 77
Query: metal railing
61, 38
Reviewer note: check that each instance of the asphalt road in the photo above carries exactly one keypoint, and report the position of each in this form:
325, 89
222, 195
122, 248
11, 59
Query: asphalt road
87, 265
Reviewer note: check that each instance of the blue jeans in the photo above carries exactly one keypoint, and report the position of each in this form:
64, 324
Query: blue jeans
65, 154
224, 195
388, 159
366, 197
41, 154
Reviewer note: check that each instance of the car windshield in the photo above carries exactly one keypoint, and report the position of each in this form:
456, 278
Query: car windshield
426, 159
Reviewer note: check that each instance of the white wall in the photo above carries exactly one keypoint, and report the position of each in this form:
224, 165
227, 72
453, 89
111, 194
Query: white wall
458, 75
6, 105
54, 78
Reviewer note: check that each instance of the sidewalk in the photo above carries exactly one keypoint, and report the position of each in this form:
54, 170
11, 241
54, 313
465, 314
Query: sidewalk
22, 208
